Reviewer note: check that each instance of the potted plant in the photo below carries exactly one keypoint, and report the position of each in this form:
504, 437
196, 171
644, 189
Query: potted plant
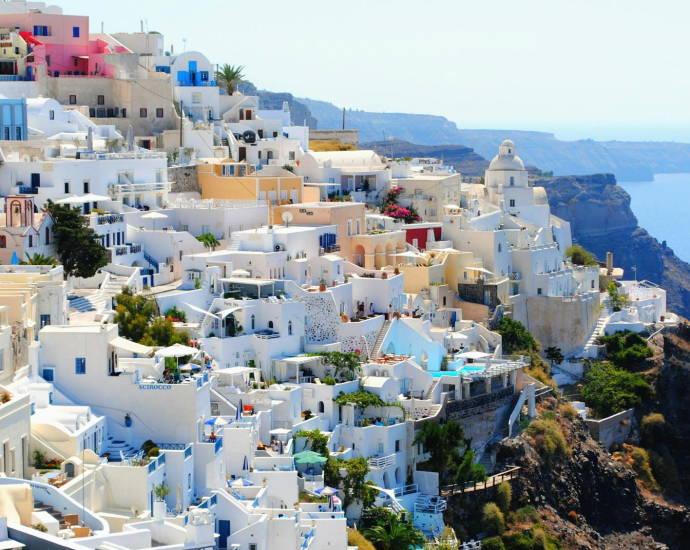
264, 480
5, 397
160, 490
128, 420
322, 285
396, 271
384, 275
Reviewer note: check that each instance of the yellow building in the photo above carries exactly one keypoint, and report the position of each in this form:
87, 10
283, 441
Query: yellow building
227, 179
13, 50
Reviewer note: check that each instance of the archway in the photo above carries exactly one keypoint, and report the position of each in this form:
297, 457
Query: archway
386, 481
359, 254
379, 258
399, 476
69, 469
322, 407
390, 251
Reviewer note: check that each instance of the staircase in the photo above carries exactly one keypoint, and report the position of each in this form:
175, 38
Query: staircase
114, 285
95, 302
151, 261
485, 461
225, 142
379, 340
432, 387
114, 447
598, 331
234, 244
40, 507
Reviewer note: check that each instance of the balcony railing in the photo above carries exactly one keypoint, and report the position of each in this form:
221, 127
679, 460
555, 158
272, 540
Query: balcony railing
28, 190
382, 462
203, 84
121, 251
135, 249
110, 218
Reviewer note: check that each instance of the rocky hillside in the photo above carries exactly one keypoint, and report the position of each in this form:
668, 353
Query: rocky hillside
462, 158
602, 221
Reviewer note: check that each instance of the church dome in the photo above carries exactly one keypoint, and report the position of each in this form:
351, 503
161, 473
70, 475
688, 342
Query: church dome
506, 158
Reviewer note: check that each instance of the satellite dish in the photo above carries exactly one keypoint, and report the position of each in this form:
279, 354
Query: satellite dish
287, 218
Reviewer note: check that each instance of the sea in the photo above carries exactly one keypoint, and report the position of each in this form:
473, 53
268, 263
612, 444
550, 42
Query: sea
661, 207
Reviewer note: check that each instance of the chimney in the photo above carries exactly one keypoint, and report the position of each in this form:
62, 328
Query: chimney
609, 262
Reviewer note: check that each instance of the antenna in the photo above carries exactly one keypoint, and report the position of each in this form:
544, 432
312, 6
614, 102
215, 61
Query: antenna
184, 45
287, 218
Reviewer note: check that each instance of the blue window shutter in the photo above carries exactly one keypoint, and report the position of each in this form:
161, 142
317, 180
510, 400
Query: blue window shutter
75, 32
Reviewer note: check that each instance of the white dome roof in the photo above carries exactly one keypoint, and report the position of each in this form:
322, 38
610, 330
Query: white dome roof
508, 143
506, 162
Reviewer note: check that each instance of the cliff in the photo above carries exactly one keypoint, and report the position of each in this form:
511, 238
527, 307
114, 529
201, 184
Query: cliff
601, 220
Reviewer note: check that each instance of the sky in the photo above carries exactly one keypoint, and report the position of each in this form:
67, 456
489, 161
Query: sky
601, 69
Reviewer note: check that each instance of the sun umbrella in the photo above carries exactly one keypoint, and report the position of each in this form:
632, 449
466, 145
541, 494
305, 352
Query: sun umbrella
240, 273
217, 421
245, 464
130, 138
179, 498
326, 491
309, 457
89, 139
154, 216
281, 447
237, 413
176, 350
241, 482
15, 259
81, 199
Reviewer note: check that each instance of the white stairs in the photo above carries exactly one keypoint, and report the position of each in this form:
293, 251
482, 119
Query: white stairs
379, 340
234, 244
598, 331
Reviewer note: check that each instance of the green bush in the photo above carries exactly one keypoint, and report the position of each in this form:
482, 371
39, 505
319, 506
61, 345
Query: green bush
518, 541
609, 390
329, 381
516, 337
665, 469
548, 438
653, 429
493, 543
580, 256
568, 411
643, 469
355, 538
526, 514
627, 350
493, 521
504, 494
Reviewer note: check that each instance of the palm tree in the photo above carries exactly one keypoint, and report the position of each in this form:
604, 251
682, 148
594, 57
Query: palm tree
39, 259
394, 535
230, 76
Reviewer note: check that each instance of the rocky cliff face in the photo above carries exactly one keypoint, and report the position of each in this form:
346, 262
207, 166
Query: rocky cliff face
602, 221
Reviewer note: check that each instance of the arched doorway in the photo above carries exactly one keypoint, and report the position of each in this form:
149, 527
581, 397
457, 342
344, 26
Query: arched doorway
386, 481
69, 469
379, 258
322, 407
359, 255
399, 476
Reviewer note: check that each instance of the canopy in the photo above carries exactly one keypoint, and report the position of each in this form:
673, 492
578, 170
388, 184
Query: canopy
199, 310
309, 457
177, 350
326, 491
89, 197
452, 206
232, 371
154, 216
240, 273
475, 355
122, 343
410, 254
226, 312
241, 482
480, 270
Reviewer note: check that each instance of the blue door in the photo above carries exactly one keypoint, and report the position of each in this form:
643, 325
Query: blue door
224, 532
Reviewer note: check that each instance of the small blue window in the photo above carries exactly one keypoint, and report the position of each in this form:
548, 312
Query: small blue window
75, 32
48, 375
204, 76
80, 365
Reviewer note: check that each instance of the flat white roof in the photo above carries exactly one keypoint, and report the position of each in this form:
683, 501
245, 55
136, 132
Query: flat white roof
123, 343
374, 381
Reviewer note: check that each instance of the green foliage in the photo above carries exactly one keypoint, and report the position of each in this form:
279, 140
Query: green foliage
345, 364
493, 521
208, 240
147, 445
568, 411
356, 539
441, 441
329, 381
39, 458
518, 541
609, 390
580, 256
229, 76
504, 494
618, 301
176, 314
643, 468
162, 333
627, 350
515, 336
493, 543
361, 398
653, 429
526, 514
394, 535
154, 452
39, 259
355, 487
665, 469
79, 248
468, 471
554, 355
161, 490
318, 442
548, 438
137, 319
376, 515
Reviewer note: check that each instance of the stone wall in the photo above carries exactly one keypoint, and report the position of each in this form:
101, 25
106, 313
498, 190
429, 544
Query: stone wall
185, 179
350, 137
353, 343
20, 346
475, 293
467, 408
324, 318
614, 429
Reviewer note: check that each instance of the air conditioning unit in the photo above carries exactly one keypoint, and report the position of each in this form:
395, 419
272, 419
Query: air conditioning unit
279, 247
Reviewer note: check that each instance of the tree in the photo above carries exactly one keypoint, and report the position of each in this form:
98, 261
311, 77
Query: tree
78, 247
39, 259
580, 256
493, 521
617, 300
627, 350
318, 441
176, 314
347, 365
208, 240
554, 355
441, 441
161, 332
230, 76
515, 336
493, 543
355, 487
394, 535
609, 390
504, 494
468, 471
133, 314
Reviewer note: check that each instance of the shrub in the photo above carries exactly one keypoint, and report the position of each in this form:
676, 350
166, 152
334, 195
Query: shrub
493, 543
568, 411
572, 516
5, 397
627, 350
329, 381
493, 521
539, 540
147, 445
153, 452
665, 469
516, 337
517, 541
526, 514
580, 256
609, 390
643, 470
355, 538
504, 494
548, 438
653, 429
39, 459
40, 527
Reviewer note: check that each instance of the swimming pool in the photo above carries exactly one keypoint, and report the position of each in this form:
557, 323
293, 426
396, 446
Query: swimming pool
467, 369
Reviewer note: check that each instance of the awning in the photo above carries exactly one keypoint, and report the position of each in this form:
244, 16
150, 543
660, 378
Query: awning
475, 355
224, 313
232, 371
243, 281
480, 270
123, 343
199, 310
298, 360
80, 56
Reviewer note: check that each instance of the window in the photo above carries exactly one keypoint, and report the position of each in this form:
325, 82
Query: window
539, 291
48, 375
499, 247
3, 241
196, 98
204, 76
253, 321
159, 113
290, 324
270, 324
512, 181
31, 241
349, 228
80, 365
73, 100
2, 360
253, 546
512, 203
66, 187
397, 445
18, 130
51, 114
143, 113
7, 133
48, 60
359, 226
292, 155
75, 32
101, 100
86, 187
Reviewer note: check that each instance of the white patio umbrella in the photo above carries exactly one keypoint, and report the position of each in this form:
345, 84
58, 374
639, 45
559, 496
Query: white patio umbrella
154, 216
130, 138
240, 273
178, 505
81, 199
89, 139
177, 350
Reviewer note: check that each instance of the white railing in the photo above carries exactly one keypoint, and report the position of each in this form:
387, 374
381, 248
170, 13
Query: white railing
382, 462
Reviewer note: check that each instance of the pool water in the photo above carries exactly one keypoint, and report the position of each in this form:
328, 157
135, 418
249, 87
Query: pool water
467, 369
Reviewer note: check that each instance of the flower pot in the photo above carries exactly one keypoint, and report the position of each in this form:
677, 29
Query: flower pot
322, 288
128, 422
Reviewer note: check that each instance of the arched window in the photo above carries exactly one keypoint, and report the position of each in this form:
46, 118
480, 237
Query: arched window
270, 324
253, 322
289, 328
322, 407
3, 241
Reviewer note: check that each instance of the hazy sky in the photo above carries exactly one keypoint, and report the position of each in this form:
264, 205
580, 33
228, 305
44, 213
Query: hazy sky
583, 68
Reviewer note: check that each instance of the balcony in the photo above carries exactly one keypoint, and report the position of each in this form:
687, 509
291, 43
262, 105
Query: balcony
28, 190
202, 84
267, 334
110, 219
381, 462
516, 276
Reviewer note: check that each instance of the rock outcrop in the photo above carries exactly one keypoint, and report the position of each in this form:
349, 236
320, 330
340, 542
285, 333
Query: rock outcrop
601, 220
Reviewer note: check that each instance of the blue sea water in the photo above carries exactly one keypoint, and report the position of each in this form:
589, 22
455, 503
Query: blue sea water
661, 207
